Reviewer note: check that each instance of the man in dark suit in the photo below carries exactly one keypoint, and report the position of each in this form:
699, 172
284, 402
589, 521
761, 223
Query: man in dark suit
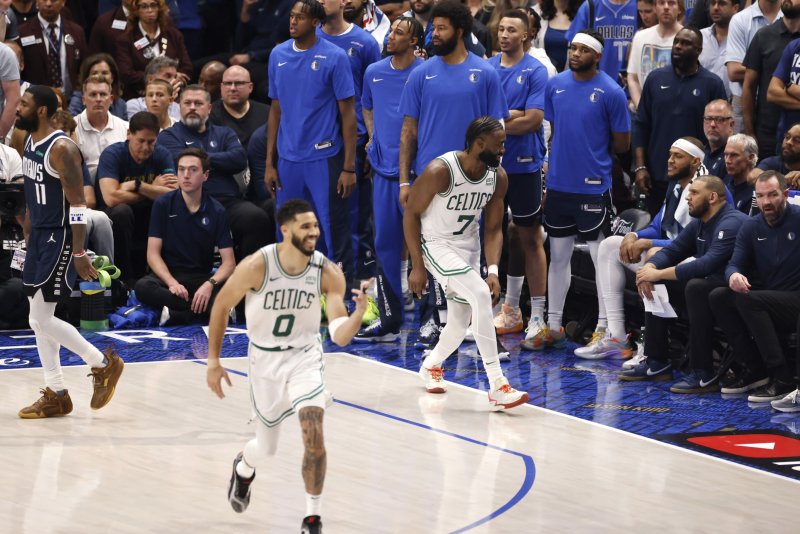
107, 28
53, 48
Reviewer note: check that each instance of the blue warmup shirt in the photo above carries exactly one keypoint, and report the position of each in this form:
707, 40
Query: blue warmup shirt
715, 162
769, 253
383, 87
523, 85
788, 71
189, 238
617, 24
228, 156
742, 194
362, 50
773, 163
711, 243
672, 107
116, 162
308, 84
583, 116
445, 99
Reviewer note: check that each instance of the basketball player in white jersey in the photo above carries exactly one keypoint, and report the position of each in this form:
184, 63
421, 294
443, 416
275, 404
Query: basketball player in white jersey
281, 284
441, 229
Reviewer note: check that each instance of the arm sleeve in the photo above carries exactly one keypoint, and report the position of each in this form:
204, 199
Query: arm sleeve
108, 165
785, 64
273, 88
717, 255
538, 83
548, 101
366, 91
618, 112
223, 238
753, 57
653, 230
164, 161
679, 249
635, 57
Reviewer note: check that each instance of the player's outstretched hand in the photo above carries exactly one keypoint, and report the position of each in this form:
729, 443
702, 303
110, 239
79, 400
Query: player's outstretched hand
214, 376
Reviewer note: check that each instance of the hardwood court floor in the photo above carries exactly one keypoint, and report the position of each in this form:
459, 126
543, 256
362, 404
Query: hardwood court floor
158, 459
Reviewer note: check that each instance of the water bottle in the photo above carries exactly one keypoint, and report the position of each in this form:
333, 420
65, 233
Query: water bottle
642, 204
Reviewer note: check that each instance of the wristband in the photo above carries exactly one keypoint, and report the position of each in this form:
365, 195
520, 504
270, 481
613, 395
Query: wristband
334, 325
137, 185
637, 169
492, 269
80, 254
349, 172
77, 215
405, 184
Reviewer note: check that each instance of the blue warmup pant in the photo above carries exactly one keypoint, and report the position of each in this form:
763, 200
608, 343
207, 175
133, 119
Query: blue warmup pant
316, 182
361, 219
388, 216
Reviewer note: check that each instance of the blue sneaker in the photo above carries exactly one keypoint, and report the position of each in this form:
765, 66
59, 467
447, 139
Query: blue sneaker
697, 382
648, 370
376, 333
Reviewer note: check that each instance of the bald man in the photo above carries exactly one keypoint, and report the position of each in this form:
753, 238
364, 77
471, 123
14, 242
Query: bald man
235, 109
211, 78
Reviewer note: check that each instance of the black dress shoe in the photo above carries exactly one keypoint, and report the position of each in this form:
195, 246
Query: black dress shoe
775, 390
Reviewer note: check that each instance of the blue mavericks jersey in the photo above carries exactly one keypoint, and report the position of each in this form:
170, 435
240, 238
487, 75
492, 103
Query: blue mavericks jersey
445, 99
383, 85
617, 24
523, 85
363, 50
308, 84
44, 195
583, 115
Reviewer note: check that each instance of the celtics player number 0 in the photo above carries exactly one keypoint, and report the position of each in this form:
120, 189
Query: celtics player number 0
283, 325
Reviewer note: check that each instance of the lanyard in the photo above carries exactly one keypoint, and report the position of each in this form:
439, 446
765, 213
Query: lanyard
57, 45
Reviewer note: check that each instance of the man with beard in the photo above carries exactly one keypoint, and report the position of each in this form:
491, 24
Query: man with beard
672, 105
383, 85
312, 128
441, 224
362, 51
715, 38
617, 253
788, 163
55, 256
741, 154
282, 285
763, 297
760, 116
442, 97
228, 157
709, 239
524, 80
422, 10
579, 181
717, 127
367, 16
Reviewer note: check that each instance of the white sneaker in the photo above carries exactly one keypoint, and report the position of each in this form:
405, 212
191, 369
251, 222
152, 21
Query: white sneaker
535, 326
502, 396
597, 337
633, 362
433, 378
606, 347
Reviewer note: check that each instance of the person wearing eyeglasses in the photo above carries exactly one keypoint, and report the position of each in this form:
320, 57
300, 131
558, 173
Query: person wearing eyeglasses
717, 127
235, 109
149, 35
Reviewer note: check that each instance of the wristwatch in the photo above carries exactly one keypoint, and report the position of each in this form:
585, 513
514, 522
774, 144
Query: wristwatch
137, 185
213, 282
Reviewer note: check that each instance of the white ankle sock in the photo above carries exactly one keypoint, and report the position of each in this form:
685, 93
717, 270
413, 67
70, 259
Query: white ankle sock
313, 504
537, 307
513, 290
244, 470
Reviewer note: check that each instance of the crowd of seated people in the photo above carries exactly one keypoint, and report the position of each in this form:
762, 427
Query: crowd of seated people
152, 91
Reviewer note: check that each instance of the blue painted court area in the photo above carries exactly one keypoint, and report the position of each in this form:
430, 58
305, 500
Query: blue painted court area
555, 380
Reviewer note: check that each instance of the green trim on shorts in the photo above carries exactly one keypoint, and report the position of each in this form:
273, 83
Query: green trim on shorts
460, 300
439, 268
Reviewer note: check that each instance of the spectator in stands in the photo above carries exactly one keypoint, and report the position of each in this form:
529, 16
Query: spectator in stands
97, 128
788, 163
185, 227
160, 68
762, 300
717, 127
235, 109
421, 10
617, 253
652, 48
102, 65
784, 88
9, 89
672, 105
715, 39
709, 239
228, 162
534, 27
132, 174
158, 97
149, 35
211, 78
741, 30
366, 15
14, 311
257, 188
394, 8
99, 236
760, 116
24, 10
53, 48
556, 18
108, 27
741, 155
647, 14
616, 22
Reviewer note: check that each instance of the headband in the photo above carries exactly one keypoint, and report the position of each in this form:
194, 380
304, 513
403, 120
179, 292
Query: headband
587, 40
689, 148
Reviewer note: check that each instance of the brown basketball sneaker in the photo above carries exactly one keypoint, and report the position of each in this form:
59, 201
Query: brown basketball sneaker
106, 378
50, 404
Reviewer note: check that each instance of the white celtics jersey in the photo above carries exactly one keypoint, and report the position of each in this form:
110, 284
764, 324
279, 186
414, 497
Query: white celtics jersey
455, 213
285, 311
